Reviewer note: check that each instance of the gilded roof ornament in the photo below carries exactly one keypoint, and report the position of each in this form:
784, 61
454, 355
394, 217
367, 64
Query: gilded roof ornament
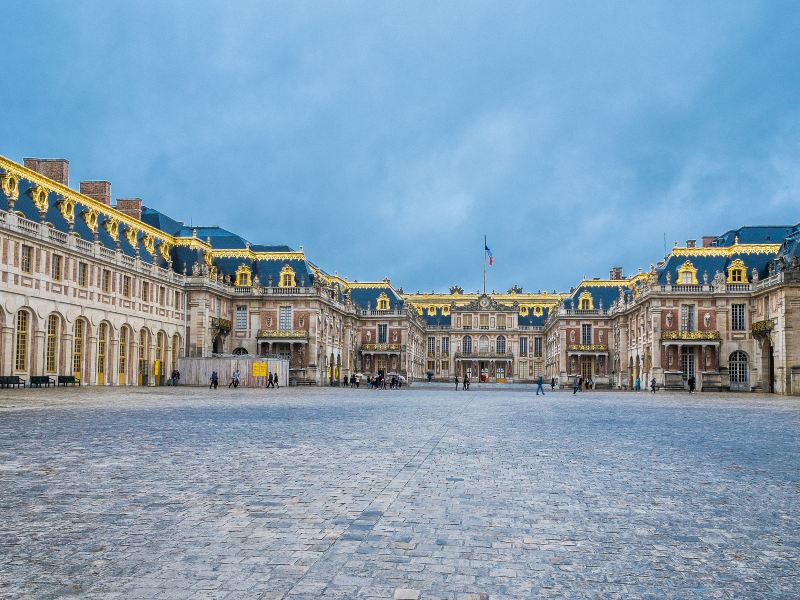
38, 194
90, 217
66, 206
9, 182
112, 228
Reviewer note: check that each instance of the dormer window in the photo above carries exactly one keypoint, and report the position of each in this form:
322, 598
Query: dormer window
384, 304
687, 274
243, 276
287, 277
737, 272
585, 301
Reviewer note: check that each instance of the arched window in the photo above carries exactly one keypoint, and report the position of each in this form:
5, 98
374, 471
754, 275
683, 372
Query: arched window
483, 344
123, 354
287, 277
501, 344
102, 341
739, 370
21, 356
687, 274
240, 351
77, 353
384, 304
243, 276
142, 356
51, 348
466, 345
161, 346
175, 350
585, 301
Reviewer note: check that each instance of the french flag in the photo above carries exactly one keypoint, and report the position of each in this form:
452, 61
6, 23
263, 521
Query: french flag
489, 254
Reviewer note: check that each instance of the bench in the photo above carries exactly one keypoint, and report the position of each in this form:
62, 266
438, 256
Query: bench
42, 380
11, 380
67, 379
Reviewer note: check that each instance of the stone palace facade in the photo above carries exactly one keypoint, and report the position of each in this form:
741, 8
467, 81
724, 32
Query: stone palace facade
114, 294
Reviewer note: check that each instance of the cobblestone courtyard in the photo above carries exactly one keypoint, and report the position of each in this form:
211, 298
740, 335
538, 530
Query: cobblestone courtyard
425, 493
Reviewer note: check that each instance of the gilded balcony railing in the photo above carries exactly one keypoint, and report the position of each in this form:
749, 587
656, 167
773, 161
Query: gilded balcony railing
587, 347
380, 347
690, 335
283, 333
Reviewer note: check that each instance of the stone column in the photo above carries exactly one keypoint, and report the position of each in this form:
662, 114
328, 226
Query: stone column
112, 360
7, 352
89, 376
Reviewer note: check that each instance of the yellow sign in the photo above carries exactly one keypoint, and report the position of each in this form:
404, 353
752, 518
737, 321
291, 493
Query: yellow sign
259, 369
157, 368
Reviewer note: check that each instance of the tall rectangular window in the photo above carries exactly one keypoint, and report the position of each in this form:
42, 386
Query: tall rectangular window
52, 340
241, 317
467, 321
484, 320
501, 321
445, 345
285, 318
26, 259
431, 345
687, 317
523, 346
177, 299
737, 317
126, 286
55, 267
106, 281
162, 295
83, 274
537, 346
145, 291
586, 335
21, 358
383, 333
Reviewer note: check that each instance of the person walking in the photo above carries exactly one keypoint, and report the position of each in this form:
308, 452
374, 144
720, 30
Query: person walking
692, 383
465, 383
456, 380
576, 385
234, 379
214, 380
638, 385
270, 382
539, 386
653, 385
552, 384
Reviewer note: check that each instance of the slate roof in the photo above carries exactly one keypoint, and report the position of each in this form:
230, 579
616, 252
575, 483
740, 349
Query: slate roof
754, 234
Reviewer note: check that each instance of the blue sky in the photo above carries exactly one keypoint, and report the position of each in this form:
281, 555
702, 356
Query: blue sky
388, 138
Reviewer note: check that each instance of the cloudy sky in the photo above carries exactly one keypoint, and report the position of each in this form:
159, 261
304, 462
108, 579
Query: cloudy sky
389, 137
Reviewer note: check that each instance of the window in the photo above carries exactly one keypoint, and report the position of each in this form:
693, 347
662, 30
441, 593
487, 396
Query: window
286, 277
737, 317
483, 344
177, 300
83, 274
484, 321
106, 281
21, 358
77, 354
467, 321
445, 345
537, 346
383, 302
445, 367
523, 346
501, 344
431, 345
466, 345
382, 333
142, 355
102, 340
162, 295
126, 286
52, 341
285, 318
686, 278
501, 321
26, 259
241, 317
175, 342
687, 317
431, 365
586, 335
145, 291
243, 275
55, 267
123, 353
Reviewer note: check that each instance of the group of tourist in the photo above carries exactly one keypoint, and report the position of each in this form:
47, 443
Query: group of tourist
380, 382
464, 384
236, 376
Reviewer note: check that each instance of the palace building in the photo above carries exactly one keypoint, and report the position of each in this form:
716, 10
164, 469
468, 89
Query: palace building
114, 293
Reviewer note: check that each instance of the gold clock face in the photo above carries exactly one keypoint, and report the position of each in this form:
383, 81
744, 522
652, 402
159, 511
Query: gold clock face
484, 302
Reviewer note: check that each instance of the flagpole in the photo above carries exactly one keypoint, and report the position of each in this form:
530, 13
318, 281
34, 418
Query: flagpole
484, 265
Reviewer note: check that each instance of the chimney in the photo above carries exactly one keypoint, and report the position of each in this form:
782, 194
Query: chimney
97, 190
707, 239
56, 169
615, 274
691, 243
131, 207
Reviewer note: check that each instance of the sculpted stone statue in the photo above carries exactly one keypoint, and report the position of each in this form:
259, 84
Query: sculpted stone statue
707, 319
669, 319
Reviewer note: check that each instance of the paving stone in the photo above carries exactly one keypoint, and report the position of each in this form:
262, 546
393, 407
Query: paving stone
309, 493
